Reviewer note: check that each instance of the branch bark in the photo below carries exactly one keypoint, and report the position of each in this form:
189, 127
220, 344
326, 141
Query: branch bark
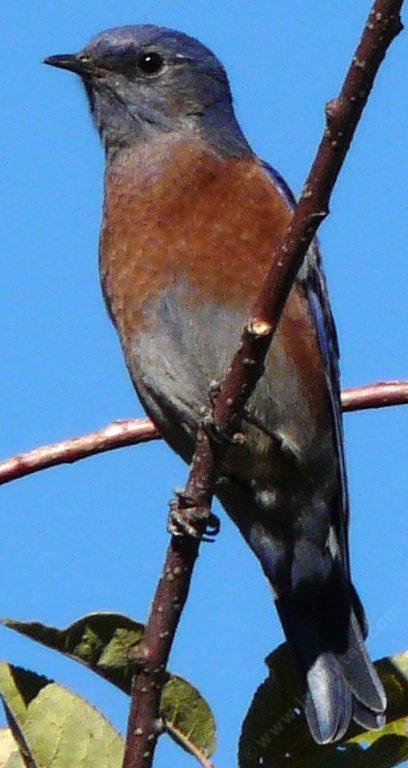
342, 116
382, 394
118, 434
126, 432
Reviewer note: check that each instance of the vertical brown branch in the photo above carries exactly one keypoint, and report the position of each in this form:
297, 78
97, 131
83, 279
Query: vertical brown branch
144, 725
171, 594
342, 116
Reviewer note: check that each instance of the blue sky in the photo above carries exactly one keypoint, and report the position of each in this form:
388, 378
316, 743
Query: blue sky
92, 536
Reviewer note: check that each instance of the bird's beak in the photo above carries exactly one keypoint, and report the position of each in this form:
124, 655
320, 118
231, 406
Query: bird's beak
71, 61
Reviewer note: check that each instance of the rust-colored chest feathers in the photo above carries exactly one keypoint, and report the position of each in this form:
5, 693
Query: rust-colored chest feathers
177, 212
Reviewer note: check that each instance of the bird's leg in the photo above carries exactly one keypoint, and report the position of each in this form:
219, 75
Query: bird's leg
188, 516
212, 430
216, 434
213, 391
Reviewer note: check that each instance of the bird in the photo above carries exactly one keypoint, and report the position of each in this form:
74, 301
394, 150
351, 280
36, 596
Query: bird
191, 218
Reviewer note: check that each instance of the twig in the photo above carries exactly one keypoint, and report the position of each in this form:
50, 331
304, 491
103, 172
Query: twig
118, 434
125, 432
342, 117
382, 394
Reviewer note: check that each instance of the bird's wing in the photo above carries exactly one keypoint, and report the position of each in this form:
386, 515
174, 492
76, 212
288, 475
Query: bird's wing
312, 277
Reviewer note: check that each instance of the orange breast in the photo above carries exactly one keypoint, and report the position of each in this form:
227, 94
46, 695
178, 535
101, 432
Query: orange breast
177, 212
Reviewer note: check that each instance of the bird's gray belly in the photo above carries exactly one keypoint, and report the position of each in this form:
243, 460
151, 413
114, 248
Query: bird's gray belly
278, 485
182, 351
176, 358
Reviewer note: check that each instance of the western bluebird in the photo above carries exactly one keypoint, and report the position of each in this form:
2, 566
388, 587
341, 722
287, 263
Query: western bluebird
191, 217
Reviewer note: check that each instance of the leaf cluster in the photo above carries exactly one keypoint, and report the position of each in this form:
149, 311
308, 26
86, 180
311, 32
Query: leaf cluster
52, 726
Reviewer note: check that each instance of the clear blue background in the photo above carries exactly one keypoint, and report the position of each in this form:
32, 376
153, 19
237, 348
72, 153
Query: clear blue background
92, 536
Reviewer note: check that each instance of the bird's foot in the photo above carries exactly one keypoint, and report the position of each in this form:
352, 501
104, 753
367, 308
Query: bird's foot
187, 518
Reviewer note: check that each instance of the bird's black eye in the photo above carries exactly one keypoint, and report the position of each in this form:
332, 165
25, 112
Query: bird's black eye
150, 63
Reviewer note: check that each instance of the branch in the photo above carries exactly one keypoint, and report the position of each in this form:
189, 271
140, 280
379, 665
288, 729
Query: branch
118, 434
342, 116
382, 394
125, 432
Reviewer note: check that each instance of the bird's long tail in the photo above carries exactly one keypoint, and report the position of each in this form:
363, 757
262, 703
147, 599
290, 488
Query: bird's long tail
326, 639
323, 620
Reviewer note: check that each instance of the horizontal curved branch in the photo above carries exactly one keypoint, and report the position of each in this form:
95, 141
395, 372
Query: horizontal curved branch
120, 434
382, 394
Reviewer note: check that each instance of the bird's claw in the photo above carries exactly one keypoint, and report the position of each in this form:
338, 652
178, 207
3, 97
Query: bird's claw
186, 518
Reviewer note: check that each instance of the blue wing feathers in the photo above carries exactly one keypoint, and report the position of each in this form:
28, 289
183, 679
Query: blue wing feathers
314, 282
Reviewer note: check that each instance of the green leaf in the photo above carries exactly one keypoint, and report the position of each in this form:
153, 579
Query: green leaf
274, 732
8, 747
101, 641
15, 761
54, 727
389, 746
187, 716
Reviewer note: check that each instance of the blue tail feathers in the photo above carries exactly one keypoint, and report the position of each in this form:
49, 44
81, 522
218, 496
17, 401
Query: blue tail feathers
327, 644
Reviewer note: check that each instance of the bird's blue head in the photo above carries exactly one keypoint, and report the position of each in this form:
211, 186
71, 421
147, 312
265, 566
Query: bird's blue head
144, 79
